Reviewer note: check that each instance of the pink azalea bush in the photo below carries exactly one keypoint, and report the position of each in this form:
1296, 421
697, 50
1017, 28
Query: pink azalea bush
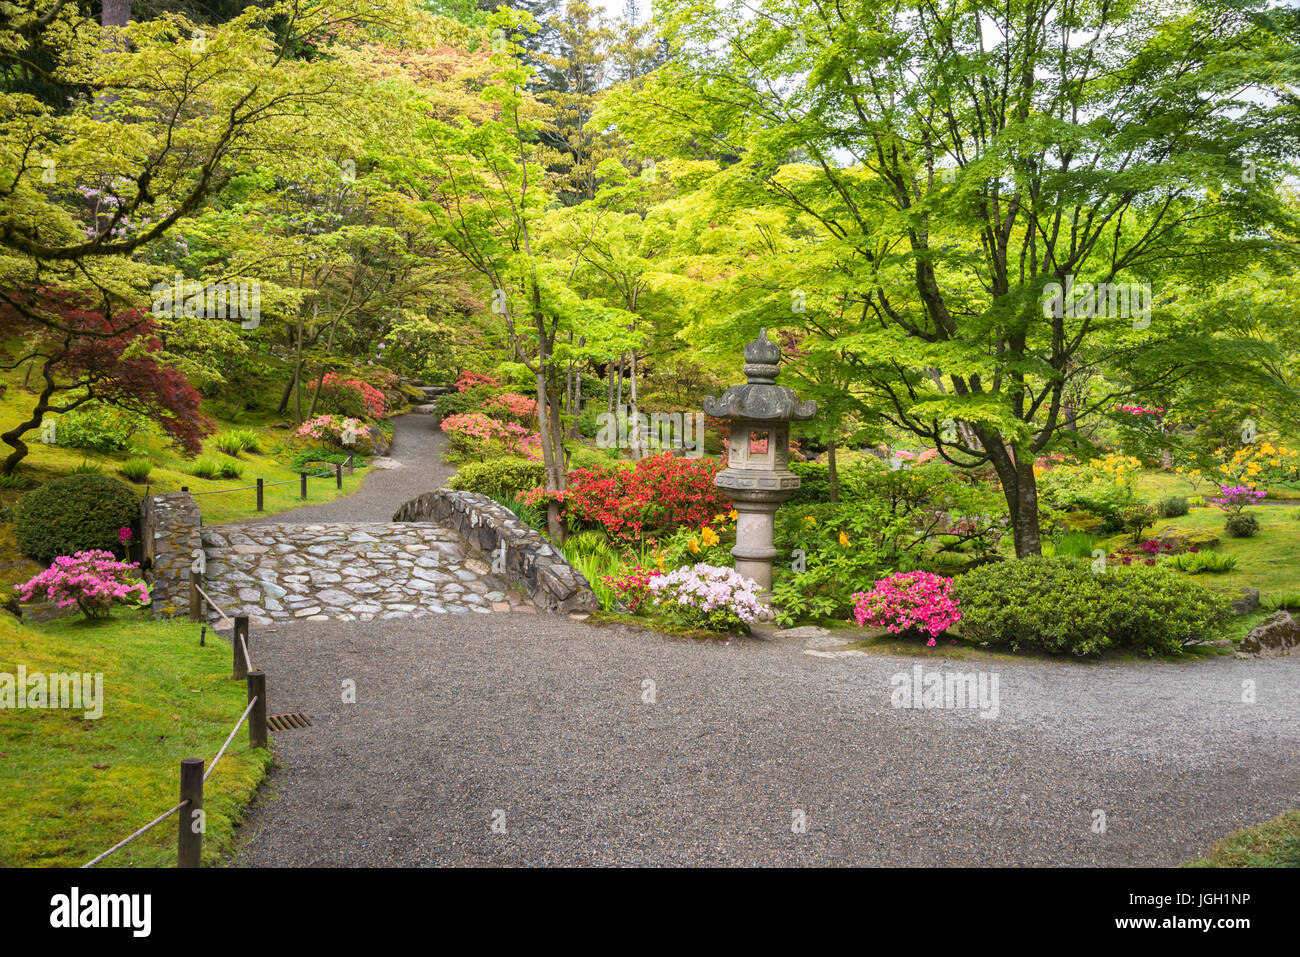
907, 601
708, 596
633, 586
331, 428
92, 580
472, 380
473, 433
350, 396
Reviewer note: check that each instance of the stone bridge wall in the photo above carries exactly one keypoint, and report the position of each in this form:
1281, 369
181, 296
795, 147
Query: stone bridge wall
530, 562
170, 527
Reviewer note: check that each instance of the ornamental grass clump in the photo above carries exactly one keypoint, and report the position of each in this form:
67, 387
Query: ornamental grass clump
708, 596
908, 602
92, 580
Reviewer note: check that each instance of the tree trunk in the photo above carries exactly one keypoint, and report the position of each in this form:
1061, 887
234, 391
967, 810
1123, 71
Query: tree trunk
1020, 489
1022, 502
633, 417
832, 472
13, 438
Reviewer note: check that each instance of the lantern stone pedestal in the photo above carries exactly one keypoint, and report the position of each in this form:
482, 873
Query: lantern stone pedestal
757, 477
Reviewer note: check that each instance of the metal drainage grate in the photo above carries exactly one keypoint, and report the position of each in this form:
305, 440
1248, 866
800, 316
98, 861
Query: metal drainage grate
286, 722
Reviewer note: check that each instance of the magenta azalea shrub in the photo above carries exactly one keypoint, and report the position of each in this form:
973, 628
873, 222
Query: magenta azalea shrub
1233, 498
908, 601
707, 596
93, 580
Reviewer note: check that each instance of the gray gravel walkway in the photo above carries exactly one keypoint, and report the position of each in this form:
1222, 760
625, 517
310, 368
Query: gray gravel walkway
541, 721
415, 467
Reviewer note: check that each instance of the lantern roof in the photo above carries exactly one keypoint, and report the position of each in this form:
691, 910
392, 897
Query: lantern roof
761, 399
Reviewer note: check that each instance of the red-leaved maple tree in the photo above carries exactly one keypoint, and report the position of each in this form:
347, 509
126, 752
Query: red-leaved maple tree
87, 352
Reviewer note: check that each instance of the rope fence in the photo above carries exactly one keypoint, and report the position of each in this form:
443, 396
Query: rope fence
262, 485
190, 830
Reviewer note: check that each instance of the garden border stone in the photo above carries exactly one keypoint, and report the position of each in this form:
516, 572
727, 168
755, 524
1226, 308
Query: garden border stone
532, 563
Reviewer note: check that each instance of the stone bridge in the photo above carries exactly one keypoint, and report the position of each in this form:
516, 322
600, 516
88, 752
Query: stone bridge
443, 553
350, 572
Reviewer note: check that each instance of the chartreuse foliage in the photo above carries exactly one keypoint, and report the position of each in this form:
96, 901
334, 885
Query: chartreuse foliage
899, 184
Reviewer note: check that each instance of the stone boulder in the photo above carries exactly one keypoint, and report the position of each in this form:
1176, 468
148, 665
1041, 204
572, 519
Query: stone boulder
1248, 602
1277, 634
372, 441
1175, 541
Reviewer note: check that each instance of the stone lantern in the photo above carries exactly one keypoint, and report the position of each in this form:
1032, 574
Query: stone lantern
757, 476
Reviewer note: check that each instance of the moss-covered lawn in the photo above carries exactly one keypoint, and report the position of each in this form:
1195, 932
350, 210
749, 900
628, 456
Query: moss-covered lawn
1275, 843
74, 787
1269, 561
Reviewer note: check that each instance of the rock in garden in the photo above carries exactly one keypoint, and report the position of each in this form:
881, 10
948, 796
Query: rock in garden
1248, 602
1277, 634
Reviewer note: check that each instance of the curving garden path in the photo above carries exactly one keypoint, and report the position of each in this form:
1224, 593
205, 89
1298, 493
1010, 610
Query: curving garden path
505, 740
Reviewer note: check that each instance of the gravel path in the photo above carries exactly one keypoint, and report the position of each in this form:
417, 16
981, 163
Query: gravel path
415, 467
542, 720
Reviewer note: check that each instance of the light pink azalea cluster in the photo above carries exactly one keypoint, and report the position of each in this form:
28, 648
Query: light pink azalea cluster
1140, 410
709, 589
906, 601
92, 580
331, 428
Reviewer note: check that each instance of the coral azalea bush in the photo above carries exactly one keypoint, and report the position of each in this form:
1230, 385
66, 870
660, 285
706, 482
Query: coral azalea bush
92, 580
908, 601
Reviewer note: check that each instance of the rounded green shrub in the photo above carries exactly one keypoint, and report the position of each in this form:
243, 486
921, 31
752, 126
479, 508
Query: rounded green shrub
73, 514
1173, 507
499, 478
1241, 525
1062, 606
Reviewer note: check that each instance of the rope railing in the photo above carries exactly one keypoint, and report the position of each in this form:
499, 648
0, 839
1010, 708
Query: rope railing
193, 775
262, 485
125, 841
231, 737
195, 578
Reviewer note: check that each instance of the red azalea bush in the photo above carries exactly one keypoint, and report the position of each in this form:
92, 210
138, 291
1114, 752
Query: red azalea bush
350, 397
657, 493
633, 586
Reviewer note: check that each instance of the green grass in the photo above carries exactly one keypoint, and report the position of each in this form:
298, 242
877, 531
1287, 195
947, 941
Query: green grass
75, 787
1275, 843
1269, 561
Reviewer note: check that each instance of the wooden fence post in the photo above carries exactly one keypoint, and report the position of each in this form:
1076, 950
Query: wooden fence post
259, 495
303, 477
338, 475
196, 599
241, 631
257, 717
189, 843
